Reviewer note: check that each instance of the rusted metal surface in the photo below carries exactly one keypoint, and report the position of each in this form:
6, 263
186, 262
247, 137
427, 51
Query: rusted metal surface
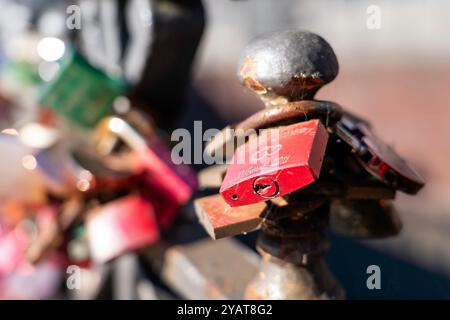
220, 220
209, 269
364, 218
287, 66
327, 112
358, 171
366, 188
293, 244
377, 158
280, 280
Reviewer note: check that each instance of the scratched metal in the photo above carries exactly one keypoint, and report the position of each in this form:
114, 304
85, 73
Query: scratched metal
220, 220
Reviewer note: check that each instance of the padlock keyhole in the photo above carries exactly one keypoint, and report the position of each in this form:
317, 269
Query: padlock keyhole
260, 187
265, 187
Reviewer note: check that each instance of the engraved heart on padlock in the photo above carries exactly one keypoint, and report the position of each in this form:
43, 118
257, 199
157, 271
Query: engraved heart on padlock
267, 151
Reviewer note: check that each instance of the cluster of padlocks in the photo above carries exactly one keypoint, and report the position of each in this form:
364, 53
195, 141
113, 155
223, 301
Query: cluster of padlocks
324, 166
90, 176
88, 172
106, 178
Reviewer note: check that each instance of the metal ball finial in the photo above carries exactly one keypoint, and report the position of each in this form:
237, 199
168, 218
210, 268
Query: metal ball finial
287, 66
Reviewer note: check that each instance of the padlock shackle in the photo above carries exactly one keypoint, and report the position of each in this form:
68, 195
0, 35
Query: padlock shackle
126, 132
149, 161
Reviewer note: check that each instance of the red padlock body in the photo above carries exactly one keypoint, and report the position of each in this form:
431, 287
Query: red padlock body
279, 161
120, 226
166, 190
380, 160
183, 171
388, 166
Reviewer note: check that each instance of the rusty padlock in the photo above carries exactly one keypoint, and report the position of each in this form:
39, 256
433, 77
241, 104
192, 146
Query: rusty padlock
378, 158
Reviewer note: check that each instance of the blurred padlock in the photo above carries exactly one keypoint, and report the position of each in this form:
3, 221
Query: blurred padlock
277, 162
80, 92
78, 251
364, 218
378, 158
107, 141
68, 171
19, 172
63, 174
162, 184
13, 244
121, 225
55, 221
15, 240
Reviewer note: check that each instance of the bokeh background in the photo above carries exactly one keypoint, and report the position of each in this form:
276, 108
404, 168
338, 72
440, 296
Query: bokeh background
397, 77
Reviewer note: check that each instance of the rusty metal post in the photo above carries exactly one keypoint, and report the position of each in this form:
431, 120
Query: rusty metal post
293, 242
358, 173
292, 246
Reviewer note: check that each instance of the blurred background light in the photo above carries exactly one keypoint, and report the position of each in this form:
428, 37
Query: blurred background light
29, 162
47, 70
51, 48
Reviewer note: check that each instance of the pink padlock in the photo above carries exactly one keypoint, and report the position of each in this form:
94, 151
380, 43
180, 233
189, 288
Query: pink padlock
13, 244
120, 226
162, 182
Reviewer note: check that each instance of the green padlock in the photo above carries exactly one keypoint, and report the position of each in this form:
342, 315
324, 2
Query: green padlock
80, 92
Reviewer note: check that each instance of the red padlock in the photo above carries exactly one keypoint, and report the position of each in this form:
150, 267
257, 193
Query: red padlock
277, 162
167, 190
167, 187
378, 158
183, 171
119, 226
